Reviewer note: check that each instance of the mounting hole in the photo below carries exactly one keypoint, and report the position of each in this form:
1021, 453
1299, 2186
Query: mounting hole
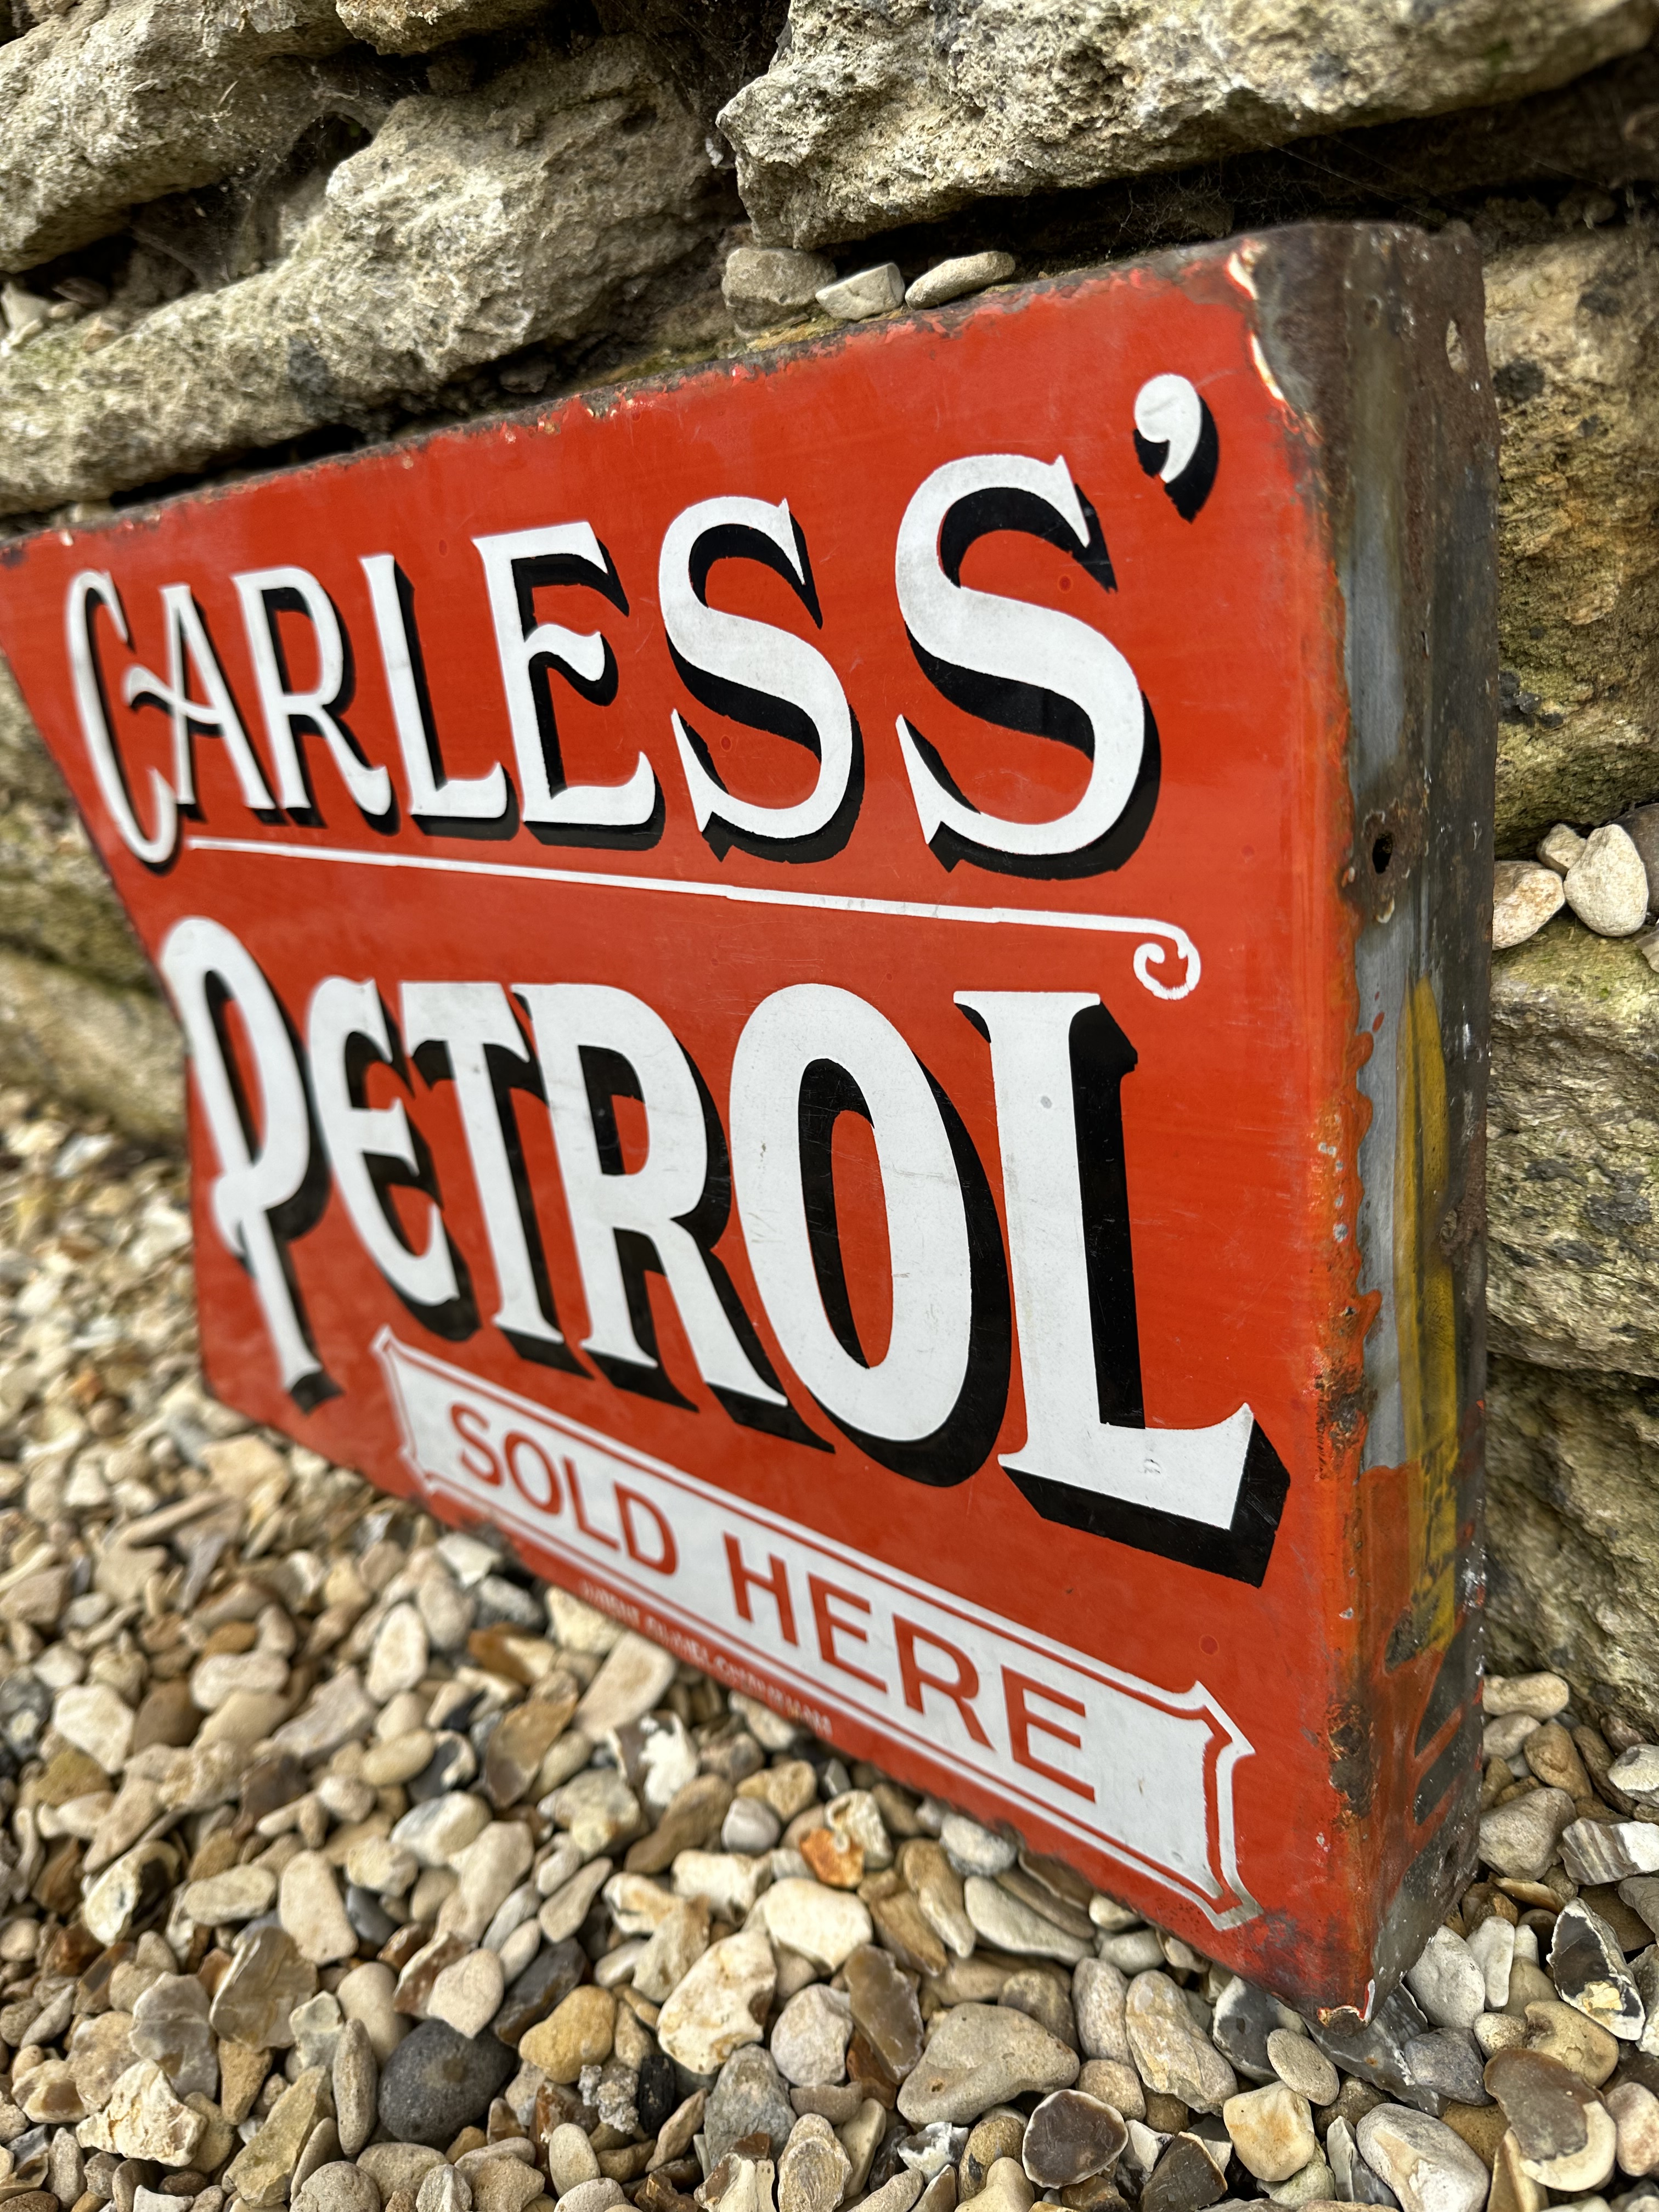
1382, 853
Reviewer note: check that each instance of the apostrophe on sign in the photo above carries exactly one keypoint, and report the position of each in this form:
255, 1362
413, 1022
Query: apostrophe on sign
1175, 441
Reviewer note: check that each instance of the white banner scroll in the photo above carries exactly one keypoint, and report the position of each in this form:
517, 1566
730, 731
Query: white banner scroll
1140, 1773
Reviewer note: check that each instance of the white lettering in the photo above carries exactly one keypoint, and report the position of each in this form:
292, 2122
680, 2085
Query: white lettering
251, 1185
433, 796
655, 1200
342, 1011
287, 711
567, 553
751, 669
1002, 658
190, 648
912, 1390
91, 589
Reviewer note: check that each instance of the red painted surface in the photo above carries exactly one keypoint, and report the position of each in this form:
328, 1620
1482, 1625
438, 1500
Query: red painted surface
1241, 1116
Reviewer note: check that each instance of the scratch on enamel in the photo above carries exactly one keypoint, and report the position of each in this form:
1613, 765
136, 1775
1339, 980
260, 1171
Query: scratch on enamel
1264, 372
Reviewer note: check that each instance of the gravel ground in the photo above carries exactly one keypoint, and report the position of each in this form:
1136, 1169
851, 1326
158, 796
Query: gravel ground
345, 1866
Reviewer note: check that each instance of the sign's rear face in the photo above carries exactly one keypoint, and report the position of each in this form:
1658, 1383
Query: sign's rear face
847, 996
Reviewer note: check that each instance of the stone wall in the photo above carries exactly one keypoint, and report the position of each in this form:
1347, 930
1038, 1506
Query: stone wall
243, 232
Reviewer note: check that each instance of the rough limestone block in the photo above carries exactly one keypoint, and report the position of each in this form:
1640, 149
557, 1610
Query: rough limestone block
1572, 1532
1573, 1155
414, 27
869, 116
55, 899
1572, 330
111, 1051
101, 111
27, 769
473, 225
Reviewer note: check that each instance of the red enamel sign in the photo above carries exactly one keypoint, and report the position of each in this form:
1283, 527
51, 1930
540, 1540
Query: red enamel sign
848, 994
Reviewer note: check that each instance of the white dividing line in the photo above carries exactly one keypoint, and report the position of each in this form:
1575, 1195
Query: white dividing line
1115, 925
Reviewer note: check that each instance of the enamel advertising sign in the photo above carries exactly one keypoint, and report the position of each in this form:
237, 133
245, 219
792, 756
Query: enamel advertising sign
847, 993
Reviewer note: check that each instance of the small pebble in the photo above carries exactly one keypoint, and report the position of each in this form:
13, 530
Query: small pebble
955, 279
1524, 898
870, 292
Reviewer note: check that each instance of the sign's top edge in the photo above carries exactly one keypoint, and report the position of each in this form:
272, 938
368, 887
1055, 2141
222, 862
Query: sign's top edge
1232, 260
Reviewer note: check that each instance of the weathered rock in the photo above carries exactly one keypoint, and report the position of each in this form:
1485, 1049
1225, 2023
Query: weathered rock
1005, 2188
1561, 2032
144, 2119
1586, 1965
490, 1866
1069, 2136
635, 1674
599, 1808
1447, 1982
939, 1892
884, 2008
107, 1050
749, 2098
519, 194
1573, 1496
1428, 2168
469, 1994
1519, 1838
679, 1940
955, 278
436, 2082
577, 2033
414, 27
1037, 1993
1607, 886
570, 2158
1558, 2124
1570, 328
1186, 2177
1524, 898
810, 2034
1008, 1923
101, 2052
1175, 2057
399, 2166
814, 2170
355, 2082
170, 2025
1302, 2066
262, 2172
1099, 1992
824, 1924
862, 123
767, 286
1560, 846
311, 1910
729, 1881
241, 1893
107, 112
720, 2005
337, 2186
519, 1745
978, 2056
1445, 2063
691, 1820
1271, 2130
1635, 2112
868, 293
